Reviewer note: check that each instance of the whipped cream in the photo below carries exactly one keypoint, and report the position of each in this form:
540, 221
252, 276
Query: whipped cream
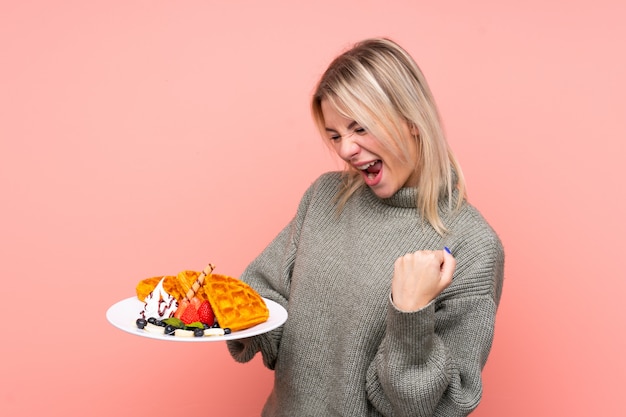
159, 303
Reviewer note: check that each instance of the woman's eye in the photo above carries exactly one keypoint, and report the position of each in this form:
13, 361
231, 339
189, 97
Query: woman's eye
360, 131
335, 137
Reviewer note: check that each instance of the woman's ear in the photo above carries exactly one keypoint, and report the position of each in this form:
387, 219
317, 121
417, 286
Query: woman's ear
414, 131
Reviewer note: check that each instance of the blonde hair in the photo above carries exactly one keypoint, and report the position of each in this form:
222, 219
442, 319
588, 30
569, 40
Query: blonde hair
377, 84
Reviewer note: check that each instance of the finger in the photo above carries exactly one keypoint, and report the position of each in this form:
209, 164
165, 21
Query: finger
448, 266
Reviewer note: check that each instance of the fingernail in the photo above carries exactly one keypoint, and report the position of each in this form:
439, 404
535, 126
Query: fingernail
447, 250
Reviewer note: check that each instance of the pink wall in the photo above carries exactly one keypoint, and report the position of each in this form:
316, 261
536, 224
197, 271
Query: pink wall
140, 138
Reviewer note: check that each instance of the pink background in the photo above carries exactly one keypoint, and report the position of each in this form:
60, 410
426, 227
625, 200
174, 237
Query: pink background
140, 138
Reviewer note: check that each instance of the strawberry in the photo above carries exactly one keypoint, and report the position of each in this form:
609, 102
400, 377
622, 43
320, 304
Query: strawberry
182, 306
205, 313
190, 314
196, 302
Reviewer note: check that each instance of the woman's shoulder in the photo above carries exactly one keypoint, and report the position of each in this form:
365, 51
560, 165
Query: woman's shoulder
322, 190
327, 183
470, 224
479, 252
330, 177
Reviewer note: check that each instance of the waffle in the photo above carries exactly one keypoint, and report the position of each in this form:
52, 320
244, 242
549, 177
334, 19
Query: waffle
177, 286
145, 286
185, 281
235, 304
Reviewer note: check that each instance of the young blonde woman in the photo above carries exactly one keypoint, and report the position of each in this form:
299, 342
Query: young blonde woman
390, 277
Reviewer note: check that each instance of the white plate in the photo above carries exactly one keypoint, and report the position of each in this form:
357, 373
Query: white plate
125, 313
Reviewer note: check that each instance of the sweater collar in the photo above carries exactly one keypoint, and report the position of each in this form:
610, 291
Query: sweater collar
407, 197
404, 197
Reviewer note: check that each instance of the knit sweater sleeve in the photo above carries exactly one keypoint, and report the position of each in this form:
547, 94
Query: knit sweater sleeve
430, 361
270, 275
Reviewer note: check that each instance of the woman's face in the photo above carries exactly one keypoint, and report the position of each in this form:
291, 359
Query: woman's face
381, 170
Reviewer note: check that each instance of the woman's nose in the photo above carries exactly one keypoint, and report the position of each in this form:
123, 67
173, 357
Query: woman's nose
347, 148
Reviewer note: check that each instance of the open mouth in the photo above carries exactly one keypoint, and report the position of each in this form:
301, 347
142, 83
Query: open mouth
371, 171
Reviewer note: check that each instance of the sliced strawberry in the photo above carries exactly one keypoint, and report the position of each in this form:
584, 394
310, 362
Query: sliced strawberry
190, 314
205, 313
196, 302
182, 306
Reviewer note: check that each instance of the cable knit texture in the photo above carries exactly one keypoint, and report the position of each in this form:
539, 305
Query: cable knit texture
345, 350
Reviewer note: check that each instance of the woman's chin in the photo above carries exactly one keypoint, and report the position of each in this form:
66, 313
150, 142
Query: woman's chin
382, 191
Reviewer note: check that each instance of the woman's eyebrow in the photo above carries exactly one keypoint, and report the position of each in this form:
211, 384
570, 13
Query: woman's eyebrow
350, 127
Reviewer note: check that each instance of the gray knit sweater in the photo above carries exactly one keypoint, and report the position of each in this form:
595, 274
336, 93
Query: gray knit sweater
345, 350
